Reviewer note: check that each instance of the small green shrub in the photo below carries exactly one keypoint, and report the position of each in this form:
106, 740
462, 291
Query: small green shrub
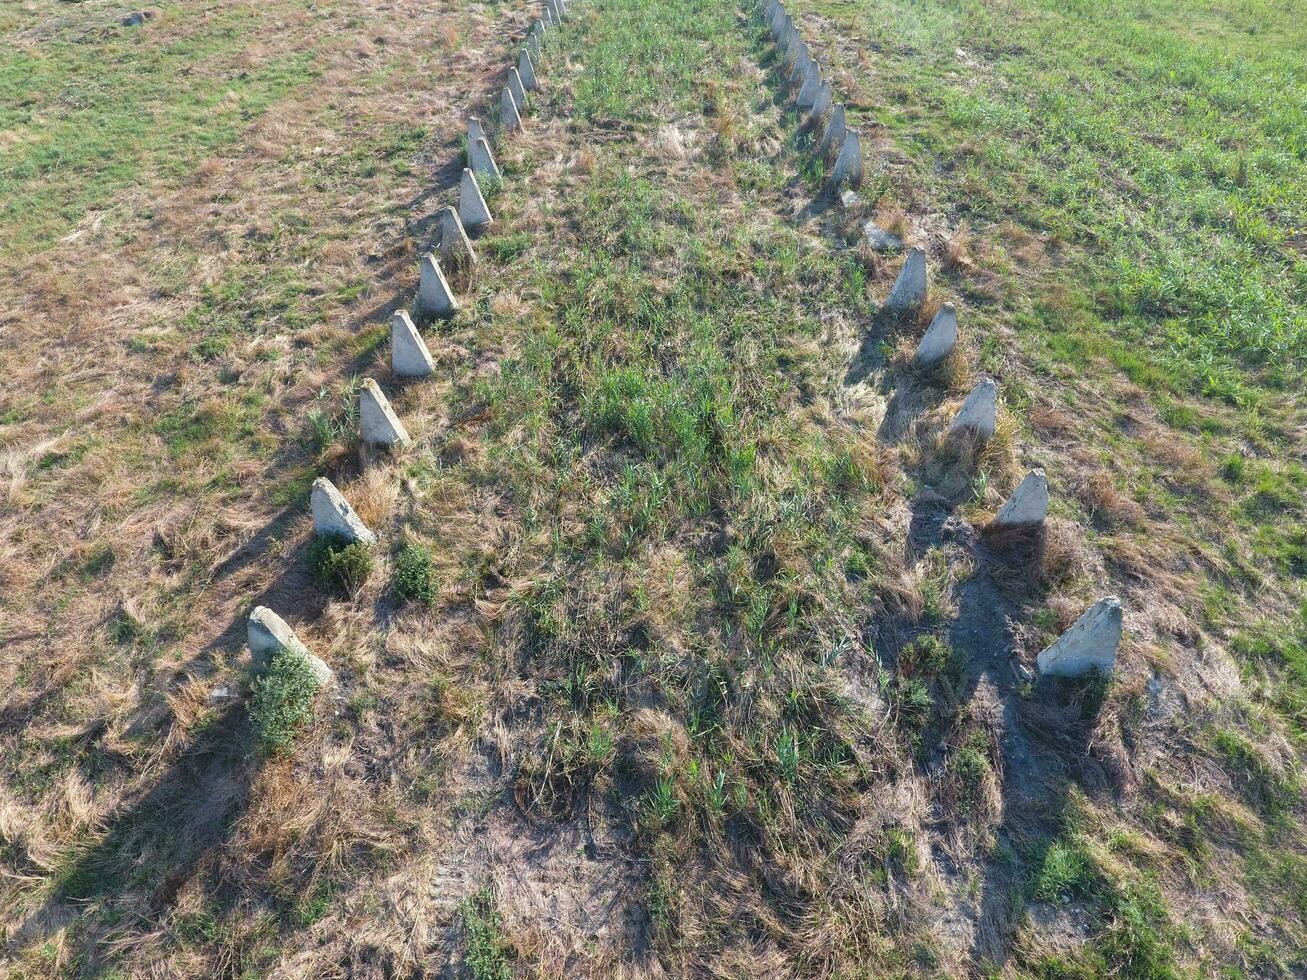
339, 565
415, 575
484, 948
283, 701
925, 656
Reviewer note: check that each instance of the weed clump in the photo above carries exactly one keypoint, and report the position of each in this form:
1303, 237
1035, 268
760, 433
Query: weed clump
283, 701
338, 565
485, 950
415, 574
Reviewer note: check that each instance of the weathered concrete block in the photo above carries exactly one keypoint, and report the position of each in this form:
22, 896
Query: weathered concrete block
454, 246
517, 88
1028, 504
510, 118
810, 88
833, 139
475, 131
533, 43
526, 71
1088, 645
801, 62
821, 104
434, 295
472, 209
333, 516
792, 49
940, 337
409, 357
551, 19
848, 165
268, 635
910, 286
379, 424
481, 160
979, 413
880, 239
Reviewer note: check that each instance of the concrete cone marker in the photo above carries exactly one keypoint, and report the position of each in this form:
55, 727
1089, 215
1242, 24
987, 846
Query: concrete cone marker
409, 357
378, 423
821, 104
940, 337
833, 138
472, 209
848, 165
533, 43
979, 413
455, 249
792, 51
268, 636
1090, 644
811, 86
481, 160
509, 116
801, 63
475, 131
910, 287
333, 517
434, 295
1028, 504
526, 71
517, 88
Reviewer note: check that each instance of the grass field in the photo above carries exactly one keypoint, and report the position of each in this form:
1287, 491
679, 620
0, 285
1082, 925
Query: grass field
683, 652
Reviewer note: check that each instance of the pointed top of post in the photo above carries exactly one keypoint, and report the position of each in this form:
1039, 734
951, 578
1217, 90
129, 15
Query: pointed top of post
940, 337
833, 138
409, 357
334, 517
378, 423
434, 295
910, 287
848, 165
472, 209
526, 71
979, 413
509, 115
454, 246
480, 159
515, 85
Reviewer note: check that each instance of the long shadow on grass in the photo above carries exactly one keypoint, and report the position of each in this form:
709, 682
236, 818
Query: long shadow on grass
156, 843
1041, 734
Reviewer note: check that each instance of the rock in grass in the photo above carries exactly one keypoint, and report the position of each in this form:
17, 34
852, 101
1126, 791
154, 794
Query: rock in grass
409, 357
526, 71
333, 517
509, 116
910, 286
833, 138
848, 165
880, 239
455, 249
1088, 645
979, 413
378, 423
821, 104
1028, 504
533, 43
434, 295
268, 635
940, 337
811, 86
481, 160
472, 209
